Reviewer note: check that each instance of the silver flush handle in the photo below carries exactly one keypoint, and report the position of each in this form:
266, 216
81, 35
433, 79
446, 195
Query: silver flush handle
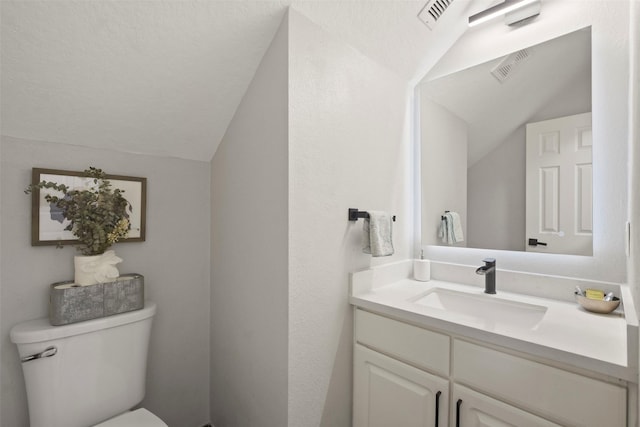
48, 352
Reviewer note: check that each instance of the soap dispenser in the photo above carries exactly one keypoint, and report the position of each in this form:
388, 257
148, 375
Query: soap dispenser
422, 268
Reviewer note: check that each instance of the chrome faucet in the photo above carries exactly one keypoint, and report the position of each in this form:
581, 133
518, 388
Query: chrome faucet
489, 272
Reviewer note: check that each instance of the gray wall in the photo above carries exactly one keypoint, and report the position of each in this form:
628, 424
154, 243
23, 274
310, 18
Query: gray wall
174, 260
249, 231
496, 197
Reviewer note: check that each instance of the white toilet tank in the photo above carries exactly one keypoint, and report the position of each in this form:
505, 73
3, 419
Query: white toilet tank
85, 372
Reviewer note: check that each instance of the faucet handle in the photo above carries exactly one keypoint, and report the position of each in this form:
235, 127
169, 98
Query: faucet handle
489, 261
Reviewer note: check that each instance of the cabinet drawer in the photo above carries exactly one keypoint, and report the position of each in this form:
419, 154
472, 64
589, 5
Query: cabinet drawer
420, 347
568, 398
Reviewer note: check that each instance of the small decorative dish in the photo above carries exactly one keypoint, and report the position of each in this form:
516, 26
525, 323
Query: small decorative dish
596, 305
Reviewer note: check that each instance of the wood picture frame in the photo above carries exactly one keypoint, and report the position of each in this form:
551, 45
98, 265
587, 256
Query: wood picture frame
47, 228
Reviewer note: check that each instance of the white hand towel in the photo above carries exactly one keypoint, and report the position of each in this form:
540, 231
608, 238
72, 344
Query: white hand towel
456, 227
377, 234
451, 228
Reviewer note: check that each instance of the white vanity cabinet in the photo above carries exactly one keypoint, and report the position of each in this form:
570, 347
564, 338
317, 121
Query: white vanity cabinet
399, 369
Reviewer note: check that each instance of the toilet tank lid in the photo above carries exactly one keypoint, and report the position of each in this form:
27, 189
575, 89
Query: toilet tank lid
38, 330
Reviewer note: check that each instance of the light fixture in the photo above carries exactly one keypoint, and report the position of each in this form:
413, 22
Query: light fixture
498, 10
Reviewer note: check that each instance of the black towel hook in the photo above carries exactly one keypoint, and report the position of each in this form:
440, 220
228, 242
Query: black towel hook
355, 214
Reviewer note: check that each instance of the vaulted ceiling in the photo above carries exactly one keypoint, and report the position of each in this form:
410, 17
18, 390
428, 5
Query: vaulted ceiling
550, 80
165, 77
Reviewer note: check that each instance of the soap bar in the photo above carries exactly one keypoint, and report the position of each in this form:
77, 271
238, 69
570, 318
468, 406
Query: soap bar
595, 294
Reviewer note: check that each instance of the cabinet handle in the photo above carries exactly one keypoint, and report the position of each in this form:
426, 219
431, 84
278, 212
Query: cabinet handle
458, 404
438, 408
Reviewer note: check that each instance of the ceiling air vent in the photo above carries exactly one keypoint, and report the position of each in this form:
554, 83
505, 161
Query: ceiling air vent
505, 69
432, 11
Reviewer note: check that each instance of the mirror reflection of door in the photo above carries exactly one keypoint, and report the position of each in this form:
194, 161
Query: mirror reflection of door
559, 202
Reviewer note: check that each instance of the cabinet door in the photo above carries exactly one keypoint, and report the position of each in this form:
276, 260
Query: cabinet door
472, 409
388, 393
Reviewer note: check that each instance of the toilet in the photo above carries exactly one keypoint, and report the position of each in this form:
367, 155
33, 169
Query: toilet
88, 373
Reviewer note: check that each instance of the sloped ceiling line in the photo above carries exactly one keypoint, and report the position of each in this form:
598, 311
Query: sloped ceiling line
165, 78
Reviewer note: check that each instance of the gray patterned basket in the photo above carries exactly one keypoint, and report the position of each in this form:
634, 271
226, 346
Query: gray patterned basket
71, 303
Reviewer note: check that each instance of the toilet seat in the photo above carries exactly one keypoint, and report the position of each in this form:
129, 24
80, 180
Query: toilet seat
138, 418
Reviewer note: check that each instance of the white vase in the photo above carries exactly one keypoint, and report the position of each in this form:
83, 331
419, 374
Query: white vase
92, 269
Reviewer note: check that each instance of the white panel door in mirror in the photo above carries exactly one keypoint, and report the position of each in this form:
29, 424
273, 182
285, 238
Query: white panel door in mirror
559, 201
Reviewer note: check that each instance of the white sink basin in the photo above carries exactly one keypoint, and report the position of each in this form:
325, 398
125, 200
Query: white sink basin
483, 309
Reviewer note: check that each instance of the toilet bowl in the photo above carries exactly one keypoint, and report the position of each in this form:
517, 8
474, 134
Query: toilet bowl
87, 373
138, 418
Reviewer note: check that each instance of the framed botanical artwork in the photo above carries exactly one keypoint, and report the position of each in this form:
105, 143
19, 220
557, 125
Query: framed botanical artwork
47, 223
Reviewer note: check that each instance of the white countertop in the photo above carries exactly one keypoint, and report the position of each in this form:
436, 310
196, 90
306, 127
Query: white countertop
567, 333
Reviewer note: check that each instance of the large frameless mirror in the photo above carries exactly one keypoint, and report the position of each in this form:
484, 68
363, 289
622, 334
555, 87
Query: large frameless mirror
506, 145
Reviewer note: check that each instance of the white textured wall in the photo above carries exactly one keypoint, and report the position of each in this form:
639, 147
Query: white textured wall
249, 240
633, 262
443, 156
610, 35
321, 129
174, 260
348, 148
634, 152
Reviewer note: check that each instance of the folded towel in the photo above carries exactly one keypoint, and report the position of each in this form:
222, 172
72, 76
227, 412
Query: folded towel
451, 228
376, 237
